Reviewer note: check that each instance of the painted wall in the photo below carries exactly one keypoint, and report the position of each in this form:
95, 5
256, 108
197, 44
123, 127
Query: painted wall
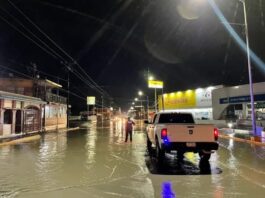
199, 98
223, 97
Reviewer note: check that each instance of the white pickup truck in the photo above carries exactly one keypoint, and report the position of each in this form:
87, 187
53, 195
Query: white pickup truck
178, 132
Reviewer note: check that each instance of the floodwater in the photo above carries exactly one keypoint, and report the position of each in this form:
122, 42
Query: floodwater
95, 162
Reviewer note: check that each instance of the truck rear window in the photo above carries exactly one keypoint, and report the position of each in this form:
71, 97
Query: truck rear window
176, 118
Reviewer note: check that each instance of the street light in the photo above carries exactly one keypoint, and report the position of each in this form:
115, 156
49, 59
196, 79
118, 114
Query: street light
135, 99
249, 70
232, 32
140, 93
151, 78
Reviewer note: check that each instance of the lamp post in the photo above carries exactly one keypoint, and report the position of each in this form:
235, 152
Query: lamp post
249, 70
248, 58
140, 93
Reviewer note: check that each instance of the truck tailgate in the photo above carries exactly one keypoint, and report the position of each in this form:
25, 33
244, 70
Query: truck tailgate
190, 133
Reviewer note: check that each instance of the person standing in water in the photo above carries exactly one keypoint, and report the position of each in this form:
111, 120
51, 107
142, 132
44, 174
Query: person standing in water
129, 129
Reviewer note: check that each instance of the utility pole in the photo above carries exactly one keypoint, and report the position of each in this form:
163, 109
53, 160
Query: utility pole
253, 116
68, 86
155, 101
68, 92
35, 80
102, 109
147, 106
163, 106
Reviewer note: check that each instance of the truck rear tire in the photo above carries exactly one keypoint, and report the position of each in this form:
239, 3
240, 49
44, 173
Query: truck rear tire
149, 145
160, 153
204, 156
180, 155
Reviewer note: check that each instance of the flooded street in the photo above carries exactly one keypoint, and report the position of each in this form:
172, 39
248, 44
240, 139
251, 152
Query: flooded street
94, 161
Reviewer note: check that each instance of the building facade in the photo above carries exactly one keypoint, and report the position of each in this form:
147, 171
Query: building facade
198, 102
52, 112
19, 114
232, 103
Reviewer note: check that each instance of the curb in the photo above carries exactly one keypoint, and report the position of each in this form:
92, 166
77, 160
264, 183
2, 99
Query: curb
242, 140
69, 129
61, 130
21, 140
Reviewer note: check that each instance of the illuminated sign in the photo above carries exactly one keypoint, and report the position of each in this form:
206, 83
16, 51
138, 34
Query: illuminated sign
178, 100
91, 100
155, 84
241, 99
187, 99
204, 98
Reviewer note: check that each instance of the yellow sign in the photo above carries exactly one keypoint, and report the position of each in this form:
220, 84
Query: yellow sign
178, 100
91, 100
155, 84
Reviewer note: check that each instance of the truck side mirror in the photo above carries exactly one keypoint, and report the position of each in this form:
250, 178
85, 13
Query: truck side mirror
146, 122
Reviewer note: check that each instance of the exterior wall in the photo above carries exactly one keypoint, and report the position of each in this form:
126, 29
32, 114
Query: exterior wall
31, 111
226, 96
13, 111
198, 102
16, 85
55, 116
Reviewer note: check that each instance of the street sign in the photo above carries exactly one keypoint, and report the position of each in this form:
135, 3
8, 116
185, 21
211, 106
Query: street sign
155, 84
91, 100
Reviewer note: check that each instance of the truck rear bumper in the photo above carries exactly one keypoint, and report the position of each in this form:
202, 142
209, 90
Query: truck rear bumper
183, 146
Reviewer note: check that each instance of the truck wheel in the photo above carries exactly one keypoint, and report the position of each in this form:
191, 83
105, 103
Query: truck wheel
160, 153
180, 155
204, 156
149, 145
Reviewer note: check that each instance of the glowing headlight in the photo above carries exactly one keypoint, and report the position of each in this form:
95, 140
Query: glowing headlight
230, 125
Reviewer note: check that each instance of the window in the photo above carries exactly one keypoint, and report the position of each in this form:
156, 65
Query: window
176, 118
8, 116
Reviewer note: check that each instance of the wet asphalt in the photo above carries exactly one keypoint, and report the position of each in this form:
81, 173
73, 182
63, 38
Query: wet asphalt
94, 161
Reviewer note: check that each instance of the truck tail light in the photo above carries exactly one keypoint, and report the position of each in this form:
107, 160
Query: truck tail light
164, 133
216, 134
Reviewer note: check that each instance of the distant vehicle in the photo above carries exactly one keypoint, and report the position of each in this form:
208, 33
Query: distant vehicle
88, 116
178, 132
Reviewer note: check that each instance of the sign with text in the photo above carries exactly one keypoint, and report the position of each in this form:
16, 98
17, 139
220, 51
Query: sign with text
91, 100
204, 98
155, 84
199, 98
178, 100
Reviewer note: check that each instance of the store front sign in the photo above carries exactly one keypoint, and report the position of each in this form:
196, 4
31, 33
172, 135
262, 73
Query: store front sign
155, 84
179, 100
201, 98
241, 99
91, 100
204, 98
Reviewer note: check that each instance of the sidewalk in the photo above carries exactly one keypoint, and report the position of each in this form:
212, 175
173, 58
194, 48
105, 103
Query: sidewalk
12, 137
242, 134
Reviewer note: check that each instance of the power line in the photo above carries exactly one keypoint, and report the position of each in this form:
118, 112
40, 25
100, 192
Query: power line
34, 35
15, 71
14, 27
25, 75
79, 75
51, 40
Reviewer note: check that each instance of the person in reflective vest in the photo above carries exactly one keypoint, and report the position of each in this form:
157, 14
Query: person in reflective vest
129, 129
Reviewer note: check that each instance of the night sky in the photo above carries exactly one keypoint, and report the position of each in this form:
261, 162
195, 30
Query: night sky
116, 42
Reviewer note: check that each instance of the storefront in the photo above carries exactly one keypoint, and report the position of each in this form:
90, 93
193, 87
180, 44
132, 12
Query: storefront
233, 103
198, 102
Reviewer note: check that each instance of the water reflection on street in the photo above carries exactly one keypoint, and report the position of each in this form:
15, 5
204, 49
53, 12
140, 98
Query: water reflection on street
94, 161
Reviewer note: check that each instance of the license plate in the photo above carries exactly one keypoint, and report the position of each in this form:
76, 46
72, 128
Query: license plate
191, 144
